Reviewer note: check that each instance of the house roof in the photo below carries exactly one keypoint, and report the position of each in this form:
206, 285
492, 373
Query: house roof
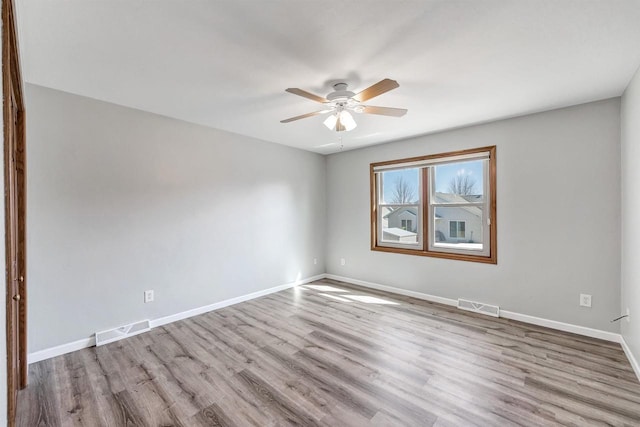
455, 198
399, 211
399, 232
447, 198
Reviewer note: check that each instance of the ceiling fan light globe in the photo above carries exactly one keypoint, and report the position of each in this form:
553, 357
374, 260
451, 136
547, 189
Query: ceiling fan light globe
347, 120
330, 122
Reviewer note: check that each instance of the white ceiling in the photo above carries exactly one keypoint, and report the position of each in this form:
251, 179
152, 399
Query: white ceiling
226, 64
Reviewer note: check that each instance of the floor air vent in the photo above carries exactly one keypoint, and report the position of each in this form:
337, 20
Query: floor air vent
105, 337
478, 307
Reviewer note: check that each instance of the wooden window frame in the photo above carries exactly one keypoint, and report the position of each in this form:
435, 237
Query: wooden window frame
491, 258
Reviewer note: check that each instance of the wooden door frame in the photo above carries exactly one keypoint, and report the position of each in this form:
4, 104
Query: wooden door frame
12, 86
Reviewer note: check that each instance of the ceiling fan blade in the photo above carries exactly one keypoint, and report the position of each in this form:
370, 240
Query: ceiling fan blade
377, 89
384, 111
339, 126
304, 116
304, 93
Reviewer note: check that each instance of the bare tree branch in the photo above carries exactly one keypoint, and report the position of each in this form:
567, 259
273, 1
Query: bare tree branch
462, 185
403, 192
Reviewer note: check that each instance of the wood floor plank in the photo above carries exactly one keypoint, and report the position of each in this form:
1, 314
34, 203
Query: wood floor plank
334, 354
41, 405
213, 416
124, 412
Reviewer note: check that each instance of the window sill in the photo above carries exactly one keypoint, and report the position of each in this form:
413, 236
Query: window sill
492, 259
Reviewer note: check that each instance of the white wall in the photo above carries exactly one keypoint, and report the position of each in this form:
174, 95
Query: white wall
558, 217
630, 153
122, 200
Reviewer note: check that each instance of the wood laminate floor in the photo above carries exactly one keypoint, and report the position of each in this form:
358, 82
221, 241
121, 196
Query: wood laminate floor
333, 354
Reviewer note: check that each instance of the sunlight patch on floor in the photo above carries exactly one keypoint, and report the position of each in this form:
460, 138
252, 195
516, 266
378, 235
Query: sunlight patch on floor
335, 297
344, 295
325, 288
370, 300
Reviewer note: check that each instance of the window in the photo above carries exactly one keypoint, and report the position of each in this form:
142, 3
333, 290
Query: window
441, 205
456, 229
399, 208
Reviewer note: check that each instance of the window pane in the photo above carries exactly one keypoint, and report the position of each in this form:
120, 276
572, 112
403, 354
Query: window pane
400, 187
458, 228
460, 182
453, 229
399, 225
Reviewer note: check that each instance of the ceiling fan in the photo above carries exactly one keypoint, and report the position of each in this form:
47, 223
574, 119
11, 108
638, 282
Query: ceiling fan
341, 101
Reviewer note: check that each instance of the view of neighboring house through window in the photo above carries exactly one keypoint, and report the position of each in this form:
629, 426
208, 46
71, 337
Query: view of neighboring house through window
400, 207
457, 204
440, 205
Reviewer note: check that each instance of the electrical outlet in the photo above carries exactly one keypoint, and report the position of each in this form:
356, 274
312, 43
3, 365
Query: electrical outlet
342, 261
585, 300
315, 261
148, 296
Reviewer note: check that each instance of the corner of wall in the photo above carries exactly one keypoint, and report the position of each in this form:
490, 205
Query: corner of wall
630, 225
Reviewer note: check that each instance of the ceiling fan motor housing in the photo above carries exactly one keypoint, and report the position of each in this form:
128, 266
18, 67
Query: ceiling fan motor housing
340, 93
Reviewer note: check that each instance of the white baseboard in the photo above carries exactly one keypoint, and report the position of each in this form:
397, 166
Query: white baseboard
634, 362
215, 306
553, 324
561, 326
48, 353
414, 294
